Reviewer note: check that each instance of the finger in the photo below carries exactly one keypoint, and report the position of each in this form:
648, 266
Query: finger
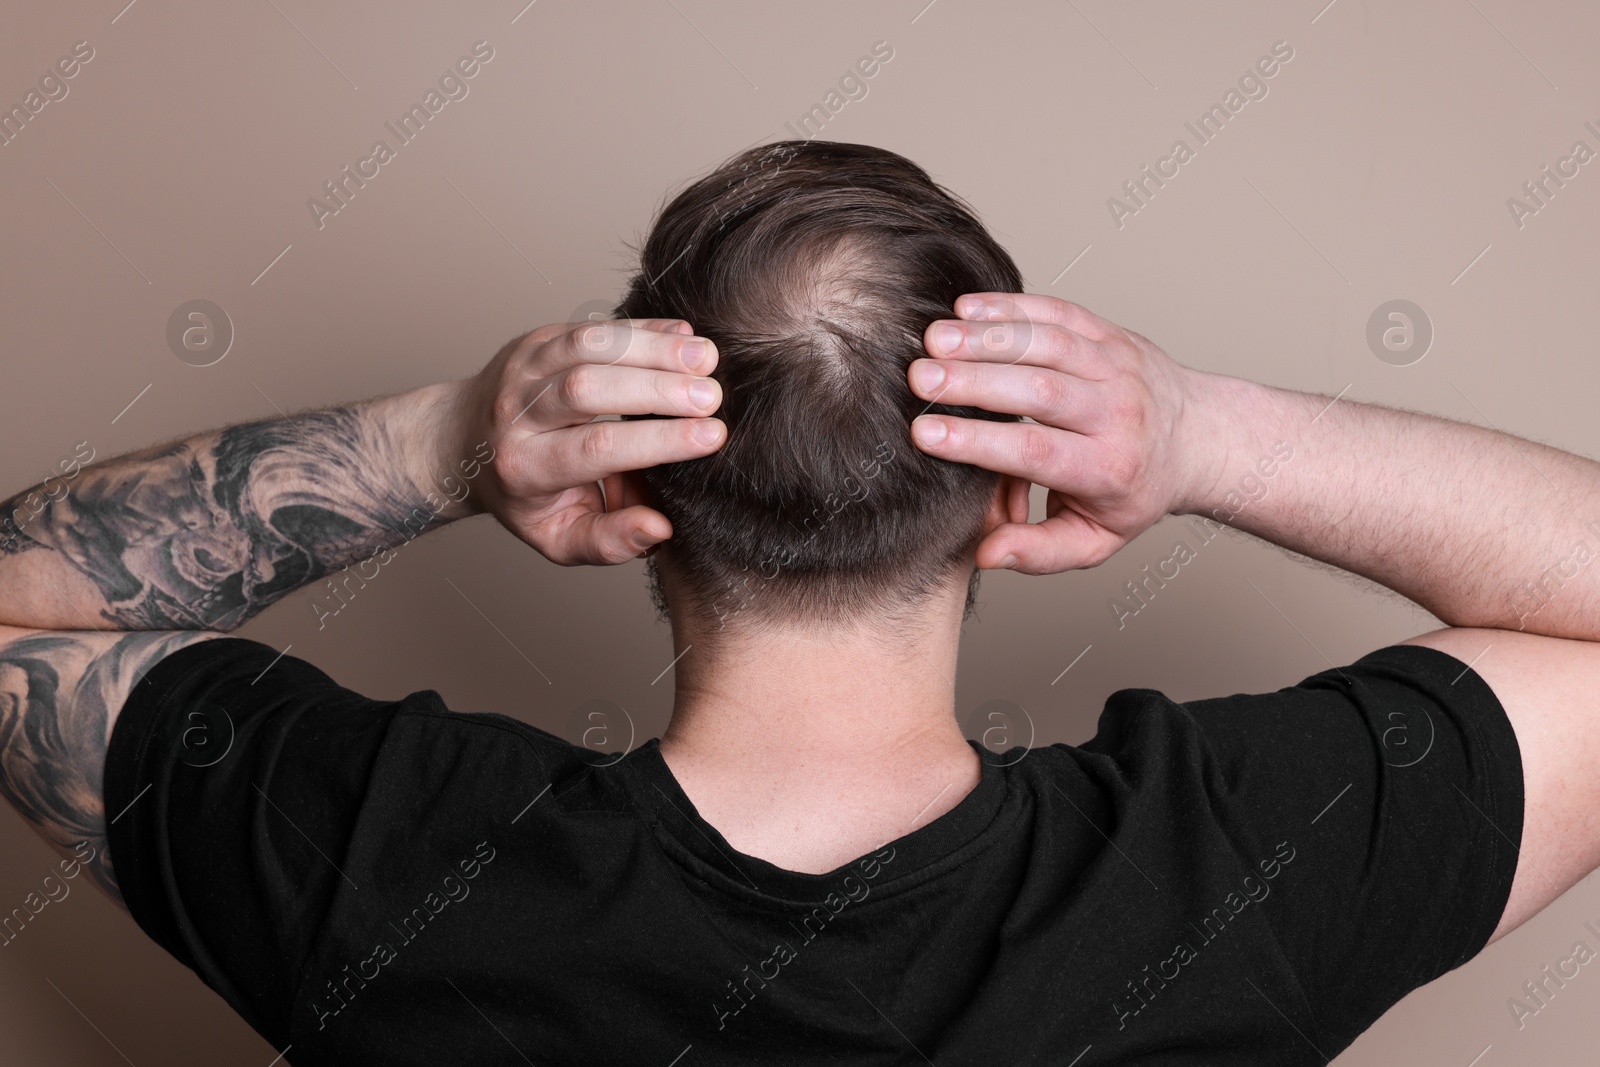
618, 491
543, 334
1041, 393
628, 341
1061, 459
659, 325
580, 393
1017, 500
603, 538
581, 454
1035, 308
612, 492
1065, 541
1038, 344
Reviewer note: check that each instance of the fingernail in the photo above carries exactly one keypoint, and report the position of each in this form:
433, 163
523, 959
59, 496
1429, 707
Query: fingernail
946, 337
707, 431
929, 431
1009, 562
927, 374
694, 353
703, 393
641, 540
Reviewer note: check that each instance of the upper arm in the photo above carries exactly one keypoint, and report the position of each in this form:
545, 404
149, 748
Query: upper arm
1547, 686
60, 695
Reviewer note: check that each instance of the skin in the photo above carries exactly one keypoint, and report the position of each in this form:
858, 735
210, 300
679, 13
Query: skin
1452, 516
147, 553
811, 747
201, 534
60, 693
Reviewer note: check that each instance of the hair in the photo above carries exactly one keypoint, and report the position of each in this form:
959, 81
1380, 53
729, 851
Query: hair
815, 267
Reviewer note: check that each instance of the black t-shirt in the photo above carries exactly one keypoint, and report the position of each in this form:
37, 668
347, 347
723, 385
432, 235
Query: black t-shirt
1252, 879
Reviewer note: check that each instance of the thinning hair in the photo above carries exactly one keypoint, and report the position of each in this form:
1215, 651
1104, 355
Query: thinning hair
815, 267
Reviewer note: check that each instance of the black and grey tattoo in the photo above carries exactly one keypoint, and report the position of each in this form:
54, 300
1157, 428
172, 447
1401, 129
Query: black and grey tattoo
204, 533
59, 692
23, 508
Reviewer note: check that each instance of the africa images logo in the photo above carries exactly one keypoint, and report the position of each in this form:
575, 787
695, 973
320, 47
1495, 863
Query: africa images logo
341, 190
852, 890
348, 982
1141, 991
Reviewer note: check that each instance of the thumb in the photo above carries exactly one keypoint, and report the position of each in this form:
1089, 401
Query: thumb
609, 537
1063, 542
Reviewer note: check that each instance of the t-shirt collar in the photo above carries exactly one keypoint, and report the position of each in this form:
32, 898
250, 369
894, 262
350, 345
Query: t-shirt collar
692, 841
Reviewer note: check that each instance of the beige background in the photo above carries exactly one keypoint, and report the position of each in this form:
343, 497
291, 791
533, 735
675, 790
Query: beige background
1377, 167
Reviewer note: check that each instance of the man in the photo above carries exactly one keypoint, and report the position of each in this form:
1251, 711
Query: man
812, 865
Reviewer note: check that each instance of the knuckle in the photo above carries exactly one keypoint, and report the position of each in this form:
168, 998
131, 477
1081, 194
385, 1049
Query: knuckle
1069, 314
1007, 337
1047, 390
508, 472
597, 442
498, 468
509, 351
586, 337
1051, 339
1130, 406
578, 387
499, 464
1141, 344
1035, 449
1120, 471
503, 408
541, 335
523, 347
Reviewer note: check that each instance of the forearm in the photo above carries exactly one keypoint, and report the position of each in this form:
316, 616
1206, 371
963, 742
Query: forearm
1480, 528
204, 532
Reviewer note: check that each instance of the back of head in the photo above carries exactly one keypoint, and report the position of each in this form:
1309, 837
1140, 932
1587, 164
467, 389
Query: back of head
815, 267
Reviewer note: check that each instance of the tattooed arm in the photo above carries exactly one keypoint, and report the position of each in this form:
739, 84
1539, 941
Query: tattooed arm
200, 534
60, 694
203, 533
179, 540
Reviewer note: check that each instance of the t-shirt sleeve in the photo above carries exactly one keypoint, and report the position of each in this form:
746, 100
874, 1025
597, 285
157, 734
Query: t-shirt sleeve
234, 779
1396, 783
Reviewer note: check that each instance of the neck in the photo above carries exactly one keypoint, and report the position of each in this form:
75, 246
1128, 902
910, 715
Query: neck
811, 746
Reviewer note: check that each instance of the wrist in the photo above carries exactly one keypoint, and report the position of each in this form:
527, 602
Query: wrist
1203, 438
449, 470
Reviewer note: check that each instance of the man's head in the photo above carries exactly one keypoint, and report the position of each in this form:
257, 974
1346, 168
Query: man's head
815, 267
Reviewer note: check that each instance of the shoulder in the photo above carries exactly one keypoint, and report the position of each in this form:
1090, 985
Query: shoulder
258, 689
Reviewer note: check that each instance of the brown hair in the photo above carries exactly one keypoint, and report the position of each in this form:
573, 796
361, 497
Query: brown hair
815, 267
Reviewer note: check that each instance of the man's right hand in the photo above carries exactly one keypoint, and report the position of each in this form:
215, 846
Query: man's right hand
536, 403
1109, 438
